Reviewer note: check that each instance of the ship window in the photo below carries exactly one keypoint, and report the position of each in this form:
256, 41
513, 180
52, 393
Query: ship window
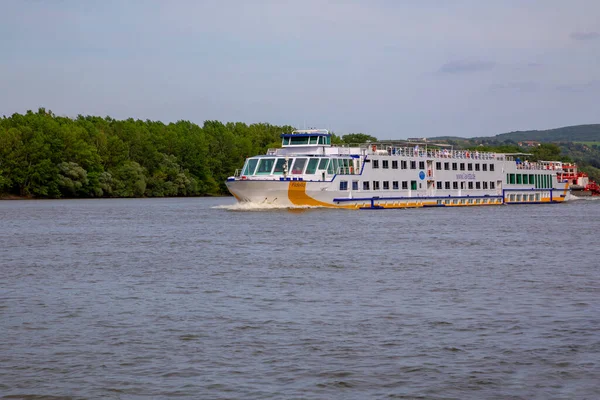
512, 179
447, 166
438, 166
386, 164
343, 185
477, 166
455, 185
286, 141
462, 166
403, 164
454, 166
462, 185
485, 185
519, 181
323, 164
421, 164
250, 166
492, 167
413, 165
394, 164
331, 167
375, 185
314, 139
470, 167
395, 185
484, 167
439, 185
447, 185
299, 166
344, 164
365, 185
311, 168
299, 141
340, 166
386, 185
404, 185
375, 164
354, 185
492, 185
413, 185
470, 185
279, 166
531, 179
477, 185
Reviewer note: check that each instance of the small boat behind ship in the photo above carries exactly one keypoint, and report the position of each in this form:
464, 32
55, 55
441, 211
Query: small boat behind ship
309, 171
580, 183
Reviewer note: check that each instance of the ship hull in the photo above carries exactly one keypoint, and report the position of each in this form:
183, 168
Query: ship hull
323, 194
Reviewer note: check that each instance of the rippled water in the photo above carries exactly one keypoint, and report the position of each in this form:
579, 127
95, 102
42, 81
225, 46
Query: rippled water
195, 298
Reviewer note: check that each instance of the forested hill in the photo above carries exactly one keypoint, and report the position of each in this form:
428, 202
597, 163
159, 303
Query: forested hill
43, 155
577, 133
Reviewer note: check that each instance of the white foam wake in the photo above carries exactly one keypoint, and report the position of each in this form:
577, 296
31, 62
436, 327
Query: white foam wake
247, 206
585, 198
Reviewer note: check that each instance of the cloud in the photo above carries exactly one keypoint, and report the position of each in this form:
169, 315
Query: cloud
579, 87
460, 67
524, 86
584, 35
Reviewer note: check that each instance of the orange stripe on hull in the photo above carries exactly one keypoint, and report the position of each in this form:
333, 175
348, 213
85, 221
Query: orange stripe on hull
298, 197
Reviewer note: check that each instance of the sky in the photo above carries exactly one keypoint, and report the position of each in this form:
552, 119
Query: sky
390, 68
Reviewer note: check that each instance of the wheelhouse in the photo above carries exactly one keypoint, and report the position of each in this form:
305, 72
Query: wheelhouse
297, 165
306, 137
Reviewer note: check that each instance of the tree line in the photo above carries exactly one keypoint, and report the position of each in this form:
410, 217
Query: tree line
48, 156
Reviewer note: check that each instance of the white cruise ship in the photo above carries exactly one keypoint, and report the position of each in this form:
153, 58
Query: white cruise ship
308, 171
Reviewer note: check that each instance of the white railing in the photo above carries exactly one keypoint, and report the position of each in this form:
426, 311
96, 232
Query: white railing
417, 151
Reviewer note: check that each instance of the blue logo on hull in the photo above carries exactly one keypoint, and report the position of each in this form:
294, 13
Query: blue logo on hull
422, 175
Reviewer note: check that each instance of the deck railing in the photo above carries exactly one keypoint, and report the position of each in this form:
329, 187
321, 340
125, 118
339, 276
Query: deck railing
437, 153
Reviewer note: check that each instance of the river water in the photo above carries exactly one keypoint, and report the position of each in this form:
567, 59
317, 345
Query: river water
198, 298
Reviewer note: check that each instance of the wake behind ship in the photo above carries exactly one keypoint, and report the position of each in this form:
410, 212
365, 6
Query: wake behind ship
308, 171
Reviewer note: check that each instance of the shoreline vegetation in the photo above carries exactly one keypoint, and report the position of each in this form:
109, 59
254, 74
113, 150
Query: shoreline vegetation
44, 156
47, 156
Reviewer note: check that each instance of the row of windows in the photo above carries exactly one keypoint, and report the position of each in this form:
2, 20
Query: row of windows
466, 185
377, 185
541, 181
304, 140
462, 166
403, 164
297, 166
438, 165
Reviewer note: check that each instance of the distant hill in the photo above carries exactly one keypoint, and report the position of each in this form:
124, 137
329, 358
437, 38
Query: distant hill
577, 133
580, 143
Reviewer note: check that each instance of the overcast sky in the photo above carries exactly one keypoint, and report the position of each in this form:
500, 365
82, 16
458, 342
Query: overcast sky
391, 68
